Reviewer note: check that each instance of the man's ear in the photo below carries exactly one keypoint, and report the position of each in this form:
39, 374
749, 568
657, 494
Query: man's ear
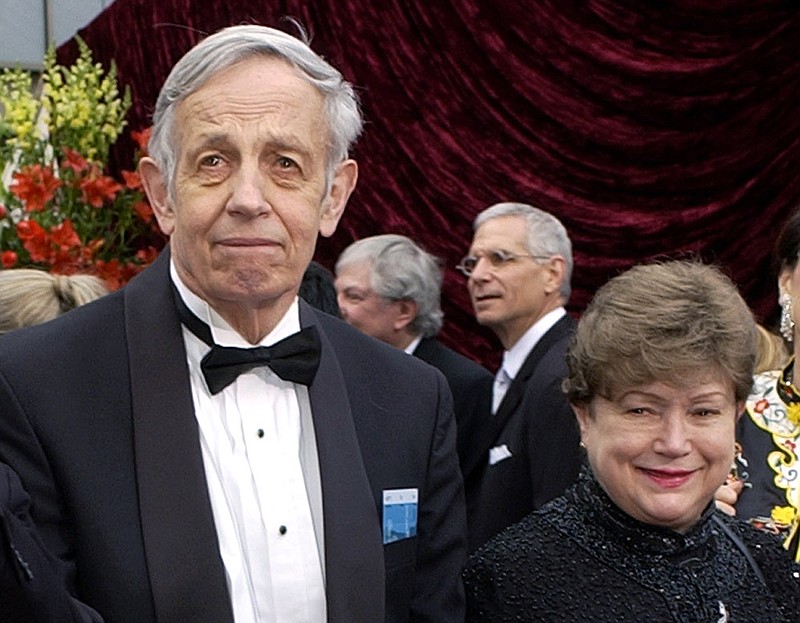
406, 313
344, 181
157, 192
556, 268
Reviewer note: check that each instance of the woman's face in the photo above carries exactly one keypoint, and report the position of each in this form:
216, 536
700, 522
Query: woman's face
661, 450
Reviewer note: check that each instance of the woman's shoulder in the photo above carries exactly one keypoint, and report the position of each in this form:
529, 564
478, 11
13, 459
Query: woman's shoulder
534, 545
524, 571
532, 535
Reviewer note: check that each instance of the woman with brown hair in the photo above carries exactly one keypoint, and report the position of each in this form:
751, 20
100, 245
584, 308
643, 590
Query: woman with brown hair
659, 369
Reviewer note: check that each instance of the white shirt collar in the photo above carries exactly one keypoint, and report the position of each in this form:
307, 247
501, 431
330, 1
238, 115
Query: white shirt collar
515, 356
413, 346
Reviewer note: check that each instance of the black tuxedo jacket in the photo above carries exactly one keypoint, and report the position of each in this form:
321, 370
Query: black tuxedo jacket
96, 417
471, 385
530, 450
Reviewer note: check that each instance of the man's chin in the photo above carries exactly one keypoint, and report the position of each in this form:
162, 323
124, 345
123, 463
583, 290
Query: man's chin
486, 320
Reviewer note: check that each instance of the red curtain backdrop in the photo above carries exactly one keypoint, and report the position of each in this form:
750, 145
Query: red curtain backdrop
651, 129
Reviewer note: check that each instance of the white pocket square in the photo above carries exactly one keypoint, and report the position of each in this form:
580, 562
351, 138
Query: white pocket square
499, 453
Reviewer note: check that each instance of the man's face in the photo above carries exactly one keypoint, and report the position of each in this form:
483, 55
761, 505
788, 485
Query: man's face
250, 194
361, 307
511, 297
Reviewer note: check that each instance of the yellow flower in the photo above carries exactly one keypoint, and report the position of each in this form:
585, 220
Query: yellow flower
793, 412
783, 515
18, 110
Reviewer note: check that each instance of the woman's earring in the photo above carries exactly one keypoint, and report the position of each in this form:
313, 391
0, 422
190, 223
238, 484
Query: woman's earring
787, 321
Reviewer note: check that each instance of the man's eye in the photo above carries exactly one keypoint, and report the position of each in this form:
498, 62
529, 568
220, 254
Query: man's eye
286, 163
500, 257
211, 161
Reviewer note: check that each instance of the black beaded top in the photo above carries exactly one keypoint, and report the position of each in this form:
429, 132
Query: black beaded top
581, 558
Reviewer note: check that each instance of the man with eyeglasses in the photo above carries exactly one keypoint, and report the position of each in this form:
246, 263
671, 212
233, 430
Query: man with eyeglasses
518, 269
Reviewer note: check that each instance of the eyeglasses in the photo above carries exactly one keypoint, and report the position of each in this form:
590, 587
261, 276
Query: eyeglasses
496, 259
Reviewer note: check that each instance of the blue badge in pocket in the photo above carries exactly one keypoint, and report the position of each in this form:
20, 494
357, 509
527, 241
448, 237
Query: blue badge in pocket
399, 514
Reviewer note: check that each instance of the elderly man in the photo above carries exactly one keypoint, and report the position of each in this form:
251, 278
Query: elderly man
518, 268
185, 475
390, 288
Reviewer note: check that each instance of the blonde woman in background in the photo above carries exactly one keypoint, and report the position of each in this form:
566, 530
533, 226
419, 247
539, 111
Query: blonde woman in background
772, 353
29, 296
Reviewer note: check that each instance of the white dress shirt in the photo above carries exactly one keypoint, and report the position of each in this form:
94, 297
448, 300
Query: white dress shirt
413, 345
515, 357
259, 454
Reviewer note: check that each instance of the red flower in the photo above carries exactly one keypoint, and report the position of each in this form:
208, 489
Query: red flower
56, 247
761, 405
35, 185
146, 256
90, 248
142, 138
64, 236
110, 272
35, 240
8, 259
132, 180
96, 188
143, 210
73, 160
3, 211
63, 262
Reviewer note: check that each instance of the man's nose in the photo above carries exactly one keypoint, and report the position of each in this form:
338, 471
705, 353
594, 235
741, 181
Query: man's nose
482, 269
248, 193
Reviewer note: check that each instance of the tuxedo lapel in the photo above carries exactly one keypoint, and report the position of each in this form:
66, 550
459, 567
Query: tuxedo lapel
353, 543
187, 576
516, 391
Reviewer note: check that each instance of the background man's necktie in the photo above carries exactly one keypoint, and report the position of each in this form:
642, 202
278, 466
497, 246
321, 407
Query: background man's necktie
501, 383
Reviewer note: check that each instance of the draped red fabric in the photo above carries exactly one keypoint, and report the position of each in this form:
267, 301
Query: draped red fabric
651, 129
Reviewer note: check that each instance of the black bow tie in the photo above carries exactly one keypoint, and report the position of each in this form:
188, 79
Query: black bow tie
295, 358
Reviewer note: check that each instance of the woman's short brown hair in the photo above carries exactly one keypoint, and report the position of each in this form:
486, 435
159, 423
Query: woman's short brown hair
660, 322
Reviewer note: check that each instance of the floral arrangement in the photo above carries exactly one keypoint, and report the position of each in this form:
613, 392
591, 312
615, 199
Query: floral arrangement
60, 210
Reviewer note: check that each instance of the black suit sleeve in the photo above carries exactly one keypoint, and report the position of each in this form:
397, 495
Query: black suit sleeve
438, 591
32, 581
